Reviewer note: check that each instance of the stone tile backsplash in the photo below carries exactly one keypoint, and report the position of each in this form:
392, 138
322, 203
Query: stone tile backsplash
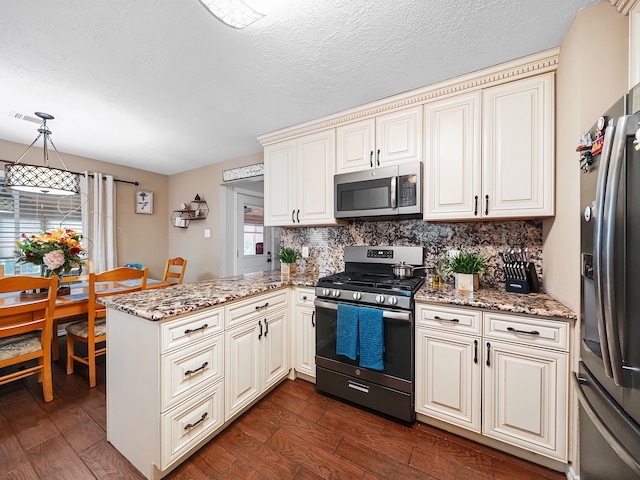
326, 244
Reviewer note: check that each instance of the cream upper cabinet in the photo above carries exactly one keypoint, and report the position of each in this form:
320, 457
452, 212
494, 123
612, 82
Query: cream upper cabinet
517, 153
453, 156
490, 154
298, 187
390, 139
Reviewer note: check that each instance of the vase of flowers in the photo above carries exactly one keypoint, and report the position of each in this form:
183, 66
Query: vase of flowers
57, 251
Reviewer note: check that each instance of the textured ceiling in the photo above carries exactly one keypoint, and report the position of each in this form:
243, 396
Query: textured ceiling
163, 86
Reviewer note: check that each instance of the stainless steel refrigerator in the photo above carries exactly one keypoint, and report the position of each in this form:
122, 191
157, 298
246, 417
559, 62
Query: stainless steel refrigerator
608, 382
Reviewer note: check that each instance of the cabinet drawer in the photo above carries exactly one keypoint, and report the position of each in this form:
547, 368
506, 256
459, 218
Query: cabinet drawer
451, 319
527, 330
260, 305
190, 422
192, 328
189, 368
305, 296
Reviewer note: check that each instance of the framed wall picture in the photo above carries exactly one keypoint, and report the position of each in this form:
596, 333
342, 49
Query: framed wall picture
144, 201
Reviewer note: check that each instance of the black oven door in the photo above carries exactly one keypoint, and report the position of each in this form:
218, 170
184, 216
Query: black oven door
398, 358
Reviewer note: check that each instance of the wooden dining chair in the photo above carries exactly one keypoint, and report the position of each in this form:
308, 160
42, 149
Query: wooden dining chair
25, 330
93, 330
171, 272
67, 280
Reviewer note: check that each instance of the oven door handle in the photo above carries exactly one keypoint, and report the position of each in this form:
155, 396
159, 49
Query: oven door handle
391, 314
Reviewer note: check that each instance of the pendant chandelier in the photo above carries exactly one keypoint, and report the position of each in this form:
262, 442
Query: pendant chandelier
45, 179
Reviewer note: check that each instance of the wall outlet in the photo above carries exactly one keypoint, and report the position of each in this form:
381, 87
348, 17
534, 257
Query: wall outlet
305, 252
454, 253
207, 233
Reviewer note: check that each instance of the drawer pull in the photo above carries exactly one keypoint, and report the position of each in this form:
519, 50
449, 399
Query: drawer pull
266, 328
260, 307
532, 332
191, 330
358, 386
191, 425
452, 320
313, 318
304, 298
202, 367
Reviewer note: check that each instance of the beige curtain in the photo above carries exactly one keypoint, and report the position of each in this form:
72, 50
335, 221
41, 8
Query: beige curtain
99, 220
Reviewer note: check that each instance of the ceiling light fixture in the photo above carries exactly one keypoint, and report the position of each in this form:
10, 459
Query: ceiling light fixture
34, 179
234, 13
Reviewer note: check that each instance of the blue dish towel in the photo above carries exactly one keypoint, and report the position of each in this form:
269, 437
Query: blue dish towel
347, 331
371, 338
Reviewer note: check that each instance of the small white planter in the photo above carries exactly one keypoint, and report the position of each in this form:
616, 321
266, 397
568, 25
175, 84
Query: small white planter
467, 281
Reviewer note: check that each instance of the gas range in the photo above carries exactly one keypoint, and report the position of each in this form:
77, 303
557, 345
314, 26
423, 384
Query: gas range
368, 277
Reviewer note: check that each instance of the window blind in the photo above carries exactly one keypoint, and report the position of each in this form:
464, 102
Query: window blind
29, 213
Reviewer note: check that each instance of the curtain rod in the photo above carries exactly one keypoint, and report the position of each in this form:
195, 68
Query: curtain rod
80, 173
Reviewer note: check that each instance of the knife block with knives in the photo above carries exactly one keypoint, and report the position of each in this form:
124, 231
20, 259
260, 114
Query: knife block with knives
520, 273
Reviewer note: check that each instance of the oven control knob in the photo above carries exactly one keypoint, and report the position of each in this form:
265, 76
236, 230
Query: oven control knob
357, 295
326, 292
336, 293
380, 298
392, 300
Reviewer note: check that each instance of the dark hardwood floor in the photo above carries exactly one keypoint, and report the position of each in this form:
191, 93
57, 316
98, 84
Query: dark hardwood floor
293, 433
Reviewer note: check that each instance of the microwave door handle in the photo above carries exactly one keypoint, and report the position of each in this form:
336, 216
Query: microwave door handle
394, 192
603, 170
608, 250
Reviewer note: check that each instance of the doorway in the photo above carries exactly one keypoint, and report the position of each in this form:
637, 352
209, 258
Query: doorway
253, 241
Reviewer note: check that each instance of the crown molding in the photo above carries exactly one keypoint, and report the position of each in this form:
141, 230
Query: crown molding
531, 65
624, 6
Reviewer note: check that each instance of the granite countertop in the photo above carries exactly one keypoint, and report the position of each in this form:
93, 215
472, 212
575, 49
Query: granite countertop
496, 298
161, 303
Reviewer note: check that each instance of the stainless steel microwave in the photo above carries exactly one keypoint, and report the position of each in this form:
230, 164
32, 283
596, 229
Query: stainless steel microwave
380, 192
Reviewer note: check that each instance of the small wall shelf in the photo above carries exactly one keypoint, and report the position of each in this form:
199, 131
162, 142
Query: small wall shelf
197, 210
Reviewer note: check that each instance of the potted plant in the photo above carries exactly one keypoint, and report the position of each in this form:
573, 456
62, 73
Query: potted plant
288, 256
465, 266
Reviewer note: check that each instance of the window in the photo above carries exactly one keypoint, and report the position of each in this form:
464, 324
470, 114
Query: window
253, 230
22, 212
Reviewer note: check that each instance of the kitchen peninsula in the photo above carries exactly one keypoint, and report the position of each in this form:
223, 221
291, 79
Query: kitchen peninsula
184, 361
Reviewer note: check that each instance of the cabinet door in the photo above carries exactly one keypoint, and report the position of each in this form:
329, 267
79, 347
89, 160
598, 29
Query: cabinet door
448, 377
453, 158
525, 397
356, 146
275, 346
518, 166
399, 137
305, 340
279, 183
242, 366
315, 167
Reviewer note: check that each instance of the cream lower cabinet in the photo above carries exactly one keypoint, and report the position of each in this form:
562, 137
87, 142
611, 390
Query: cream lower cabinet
489, 154
256, 349
298, 187
503, 376
304, 332
165, 387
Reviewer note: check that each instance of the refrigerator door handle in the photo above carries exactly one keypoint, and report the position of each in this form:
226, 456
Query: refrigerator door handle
608, 250
615, 444
603, 170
